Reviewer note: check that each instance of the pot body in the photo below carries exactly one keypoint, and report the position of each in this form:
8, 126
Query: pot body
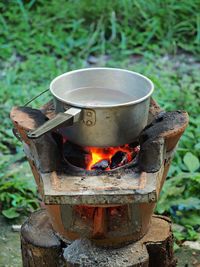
105, 127
114, 105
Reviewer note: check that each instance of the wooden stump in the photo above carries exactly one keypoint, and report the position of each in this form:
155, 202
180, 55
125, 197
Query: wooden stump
42, 247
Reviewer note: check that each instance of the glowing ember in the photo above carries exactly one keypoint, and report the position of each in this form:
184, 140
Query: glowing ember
100, 154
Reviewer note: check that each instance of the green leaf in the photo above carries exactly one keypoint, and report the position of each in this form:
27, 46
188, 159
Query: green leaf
190, 218
191, 162
197, 146
176, 247
10, 213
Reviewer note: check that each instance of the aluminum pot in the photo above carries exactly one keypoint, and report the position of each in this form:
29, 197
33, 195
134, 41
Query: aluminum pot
99, 107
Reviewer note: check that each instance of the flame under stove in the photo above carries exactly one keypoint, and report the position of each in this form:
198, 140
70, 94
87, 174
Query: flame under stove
99, 159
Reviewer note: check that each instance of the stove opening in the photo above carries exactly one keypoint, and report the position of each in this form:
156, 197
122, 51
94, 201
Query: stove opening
96, 158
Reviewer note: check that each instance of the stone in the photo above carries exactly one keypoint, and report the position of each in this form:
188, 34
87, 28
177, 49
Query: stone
192, 244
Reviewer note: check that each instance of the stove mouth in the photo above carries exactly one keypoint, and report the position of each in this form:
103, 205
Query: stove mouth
75, 170
96, 160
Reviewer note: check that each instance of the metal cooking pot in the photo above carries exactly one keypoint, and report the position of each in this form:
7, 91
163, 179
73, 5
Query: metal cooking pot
99, 106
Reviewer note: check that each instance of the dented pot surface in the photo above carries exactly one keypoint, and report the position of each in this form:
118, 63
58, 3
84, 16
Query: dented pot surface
99, 106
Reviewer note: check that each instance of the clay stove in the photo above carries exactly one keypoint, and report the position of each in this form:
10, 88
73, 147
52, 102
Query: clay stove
99, 211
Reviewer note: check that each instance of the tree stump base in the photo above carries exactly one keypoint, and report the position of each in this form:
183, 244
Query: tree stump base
41, 246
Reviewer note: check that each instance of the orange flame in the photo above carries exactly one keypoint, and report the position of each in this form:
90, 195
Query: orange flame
98, 154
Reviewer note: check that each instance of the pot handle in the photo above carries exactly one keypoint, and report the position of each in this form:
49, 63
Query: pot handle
67, 118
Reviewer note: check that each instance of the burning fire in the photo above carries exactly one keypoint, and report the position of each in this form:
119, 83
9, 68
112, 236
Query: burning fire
107, 154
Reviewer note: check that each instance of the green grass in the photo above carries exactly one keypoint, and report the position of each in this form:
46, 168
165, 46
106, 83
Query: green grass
67, 29
161, 39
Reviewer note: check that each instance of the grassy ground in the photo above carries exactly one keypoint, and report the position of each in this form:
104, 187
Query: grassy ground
41, 39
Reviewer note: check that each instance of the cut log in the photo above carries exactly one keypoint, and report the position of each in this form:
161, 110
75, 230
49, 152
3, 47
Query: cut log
42, 247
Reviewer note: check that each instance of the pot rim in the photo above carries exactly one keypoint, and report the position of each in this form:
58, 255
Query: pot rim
75, 104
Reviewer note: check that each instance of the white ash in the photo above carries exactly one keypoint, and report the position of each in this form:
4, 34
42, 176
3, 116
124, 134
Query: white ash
83, 253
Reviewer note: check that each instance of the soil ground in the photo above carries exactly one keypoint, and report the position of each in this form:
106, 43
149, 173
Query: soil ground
10, 251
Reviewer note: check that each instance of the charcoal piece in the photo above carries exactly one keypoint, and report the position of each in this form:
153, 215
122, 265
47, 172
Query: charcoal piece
76, 155
134, 145
101, 165
120, 158
135, 152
